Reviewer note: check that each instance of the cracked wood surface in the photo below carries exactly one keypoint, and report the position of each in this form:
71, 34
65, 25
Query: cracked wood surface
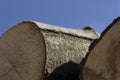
22, 53
29, 48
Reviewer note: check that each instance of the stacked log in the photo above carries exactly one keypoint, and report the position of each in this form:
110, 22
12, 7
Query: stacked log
30, 50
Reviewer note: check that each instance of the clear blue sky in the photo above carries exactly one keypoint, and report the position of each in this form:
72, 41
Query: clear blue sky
67, 13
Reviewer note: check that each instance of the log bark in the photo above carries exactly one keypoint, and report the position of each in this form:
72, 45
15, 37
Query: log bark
30, 48
103, 61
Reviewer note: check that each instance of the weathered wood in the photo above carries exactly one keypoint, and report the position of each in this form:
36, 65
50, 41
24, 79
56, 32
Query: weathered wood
65, 49
30, 48
22, 53
103, 61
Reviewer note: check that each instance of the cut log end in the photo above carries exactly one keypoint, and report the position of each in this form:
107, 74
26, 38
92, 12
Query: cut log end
23, 47
104, 58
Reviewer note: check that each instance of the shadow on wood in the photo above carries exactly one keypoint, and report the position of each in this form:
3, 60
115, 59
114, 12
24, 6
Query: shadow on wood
28, 48
67, 71
103, 61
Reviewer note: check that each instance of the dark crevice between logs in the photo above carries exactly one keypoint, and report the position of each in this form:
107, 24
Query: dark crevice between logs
67, 71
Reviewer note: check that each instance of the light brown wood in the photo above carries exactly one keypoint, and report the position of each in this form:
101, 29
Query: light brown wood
22, 53
31, 48
104, 58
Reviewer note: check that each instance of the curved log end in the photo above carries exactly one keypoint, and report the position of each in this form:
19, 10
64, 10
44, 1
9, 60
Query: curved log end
22, 53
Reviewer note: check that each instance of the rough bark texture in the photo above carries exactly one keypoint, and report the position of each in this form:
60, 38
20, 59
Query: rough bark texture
65, 49
103, 61
64, 52
29, 48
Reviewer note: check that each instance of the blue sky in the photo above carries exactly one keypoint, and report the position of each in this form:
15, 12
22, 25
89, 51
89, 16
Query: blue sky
67, 13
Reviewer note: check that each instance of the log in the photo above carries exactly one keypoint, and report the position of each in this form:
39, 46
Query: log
103, 60
30, 48
22, 53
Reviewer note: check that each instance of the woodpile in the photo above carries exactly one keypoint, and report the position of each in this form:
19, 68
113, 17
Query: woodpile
36, 51
30, 50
